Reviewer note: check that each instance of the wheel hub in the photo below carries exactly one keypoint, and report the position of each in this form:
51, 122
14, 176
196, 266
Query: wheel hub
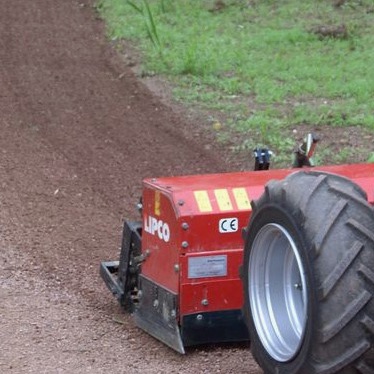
277, 292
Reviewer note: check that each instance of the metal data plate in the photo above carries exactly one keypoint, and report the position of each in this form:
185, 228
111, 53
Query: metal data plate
207, 266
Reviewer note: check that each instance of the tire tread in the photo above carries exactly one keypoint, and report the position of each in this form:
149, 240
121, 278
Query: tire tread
333, 278
345, 359
361, 228
327, 225
312, 190
339, 322
338, 224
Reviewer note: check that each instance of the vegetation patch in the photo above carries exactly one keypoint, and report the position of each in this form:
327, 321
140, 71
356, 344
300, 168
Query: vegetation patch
262, 68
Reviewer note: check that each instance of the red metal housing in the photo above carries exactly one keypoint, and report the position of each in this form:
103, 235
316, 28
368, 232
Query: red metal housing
192, 232
179, 268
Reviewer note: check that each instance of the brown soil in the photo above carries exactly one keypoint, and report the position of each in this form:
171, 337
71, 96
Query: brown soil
78, 134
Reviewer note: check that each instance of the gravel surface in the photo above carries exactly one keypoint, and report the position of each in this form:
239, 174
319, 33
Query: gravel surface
78, 134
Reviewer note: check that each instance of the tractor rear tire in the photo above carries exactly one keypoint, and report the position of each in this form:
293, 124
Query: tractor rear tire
308, 276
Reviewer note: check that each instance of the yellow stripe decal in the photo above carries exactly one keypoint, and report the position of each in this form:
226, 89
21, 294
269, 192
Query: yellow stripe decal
241, 198
223, 200
203, 202
157, 203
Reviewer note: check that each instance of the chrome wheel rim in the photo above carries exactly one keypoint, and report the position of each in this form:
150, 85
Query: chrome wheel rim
277, 292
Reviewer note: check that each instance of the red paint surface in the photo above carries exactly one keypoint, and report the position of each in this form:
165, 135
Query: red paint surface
176, 205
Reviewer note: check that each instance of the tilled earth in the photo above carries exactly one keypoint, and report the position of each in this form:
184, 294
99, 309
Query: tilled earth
78, 134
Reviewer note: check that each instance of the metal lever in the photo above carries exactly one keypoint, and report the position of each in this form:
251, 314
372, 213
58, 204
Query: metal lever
304, 153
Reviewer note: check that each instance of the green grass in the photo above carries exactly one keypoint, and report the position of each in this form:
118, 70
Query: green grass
259, 63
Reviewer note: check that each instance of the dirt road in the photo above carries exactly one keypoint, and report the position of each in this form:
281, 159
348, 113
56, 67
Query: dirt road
78, 134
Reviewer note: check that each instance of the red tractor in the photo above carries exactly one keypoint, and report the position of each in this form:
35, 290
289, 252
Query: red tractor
299, 286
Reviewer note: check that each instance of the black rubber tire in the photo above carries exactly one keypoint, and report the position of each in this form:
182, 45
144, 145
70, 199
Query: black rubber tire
332, 224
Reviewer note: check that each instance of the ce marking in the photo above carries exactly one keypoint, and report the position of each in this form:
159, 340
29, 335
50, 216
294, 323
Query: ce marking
227, 225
